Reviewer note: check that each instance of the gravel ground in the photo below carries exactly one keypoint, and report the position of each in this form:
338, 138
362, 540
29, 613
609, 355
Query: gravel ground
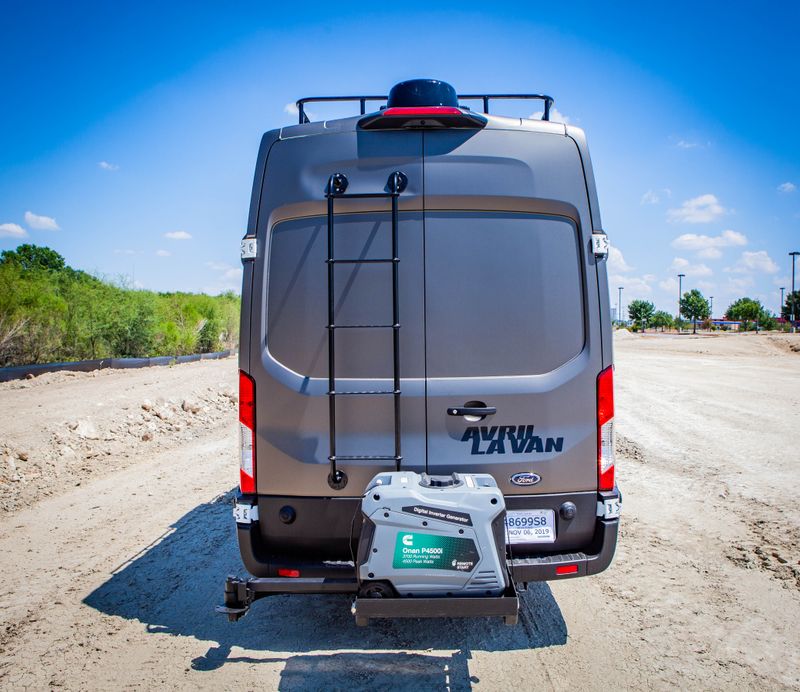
116, 536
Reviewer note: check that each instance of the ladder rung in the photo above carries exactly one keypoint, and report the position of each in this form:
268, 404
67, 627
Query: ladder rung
377, 260
363, 326
364, 195
365, 456
380, 391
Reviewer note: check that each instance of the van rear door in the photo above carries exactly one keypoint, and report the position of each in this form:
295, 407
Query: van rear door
512, 316
289, 337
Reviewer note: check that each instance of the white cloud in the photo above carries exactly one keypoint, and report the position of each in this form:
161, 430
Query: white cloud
784, 281
681, 265
226, 270
616, 262
178, 235
291, 109
754, 262
739, 284
163, 253
556, 116
706, 286
650, 197
655, 196
12, 230
702, 209
106, 166
41, 223
787, 187
632, 286
690, 143
708, 246
670, 284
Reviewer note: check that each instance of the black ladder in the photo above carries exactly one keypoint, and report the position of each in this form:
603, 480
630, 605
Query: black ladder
337, 184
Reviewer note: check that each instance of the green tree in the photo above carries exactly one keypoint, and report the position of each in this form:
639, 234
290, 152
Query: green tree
791, 306
29, 257
641, 312
694, 307
746, 310
662, 319
52, 312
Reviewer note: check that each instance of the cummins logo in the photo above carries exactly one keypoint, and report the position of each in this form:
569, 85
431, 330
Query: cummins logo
525, 478
498, 439
408, 539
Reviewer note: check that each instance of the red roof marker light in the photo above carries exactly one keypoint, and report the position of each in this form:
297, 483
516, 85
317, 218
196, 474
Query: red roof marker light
421, 111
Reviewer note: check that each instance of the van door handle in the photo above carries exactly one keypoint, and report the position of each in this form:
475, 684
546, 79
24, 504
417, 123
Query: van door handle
472, 411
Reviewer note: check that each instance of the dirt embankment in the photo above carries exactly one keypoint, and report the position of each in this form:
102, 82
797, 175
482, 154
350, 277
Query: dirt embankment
62, 429
111, 561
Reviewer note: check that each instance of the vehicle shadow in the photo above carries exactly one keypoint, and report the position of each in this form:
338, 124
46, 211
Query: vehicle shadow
173, 585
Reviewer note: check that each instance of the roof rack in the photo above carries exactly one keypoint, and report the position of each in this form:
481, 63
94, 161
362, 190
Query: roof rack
485, 98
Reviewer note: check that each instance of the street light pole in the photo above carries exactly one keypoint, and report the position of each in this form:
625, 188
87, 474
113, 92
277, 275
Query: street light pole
619, 304
780, 310
711, 308
793, 297
680, 284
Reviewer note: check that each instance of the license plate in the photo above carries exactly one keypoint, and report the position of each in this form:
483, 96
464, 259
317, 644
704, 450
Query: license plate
530, 526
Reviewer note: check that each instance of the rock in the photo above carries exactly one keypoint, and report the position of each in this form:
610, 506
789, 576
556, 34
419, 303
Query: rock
67, 453
147, 404
86, 429
12, 465
22, 456
29, 376
190, 406
163, 413
147, 437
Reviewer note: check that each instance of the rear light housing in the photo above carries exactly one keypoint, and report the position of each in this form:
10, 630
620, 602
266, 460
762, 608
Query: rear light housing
422, 117
605, 429
247, 433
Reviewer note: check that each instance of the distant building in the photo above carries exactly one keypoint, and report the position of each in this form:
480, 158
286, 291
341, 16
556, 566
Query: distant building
733, 325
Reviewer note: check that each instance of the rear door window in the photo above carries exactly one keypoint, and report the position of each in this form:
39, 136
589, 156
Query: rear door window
504, 294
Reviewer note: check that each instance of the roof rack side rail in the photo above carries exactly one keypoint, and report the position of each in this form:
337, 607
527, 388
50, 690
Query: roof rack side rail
301, 111
485, 98
548, 100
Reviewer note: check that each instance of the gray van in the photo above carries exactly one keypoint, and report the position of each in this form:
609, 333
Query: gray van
424, 291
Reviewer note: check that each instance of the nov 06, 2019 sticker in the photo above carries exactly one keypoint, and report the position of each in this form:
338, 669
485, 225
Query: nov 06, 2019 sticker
427, 551
530, 526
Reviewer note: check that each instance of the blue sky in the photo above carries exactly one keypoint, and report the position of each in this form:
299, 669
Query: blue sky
128, 133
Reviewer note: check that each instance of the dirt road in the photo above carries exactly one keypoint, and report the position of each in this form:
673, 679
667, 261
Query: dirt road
110, 580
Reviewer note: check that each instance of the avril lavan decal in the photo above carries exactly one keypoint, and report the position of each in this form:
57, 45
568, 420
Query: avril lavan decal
520, 439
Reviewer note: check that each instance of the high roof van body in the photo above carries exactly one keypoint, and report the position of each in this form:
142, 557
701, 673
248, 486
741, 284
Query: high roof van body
425, 290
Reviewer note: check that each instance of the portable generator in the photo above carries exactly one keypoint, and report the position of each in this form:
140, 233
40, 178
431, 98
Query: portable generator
426, 535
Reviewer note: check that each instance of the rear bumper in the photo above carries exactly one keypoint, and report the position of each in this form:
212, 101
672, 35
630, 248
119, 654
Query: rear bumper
260, 561
594, 561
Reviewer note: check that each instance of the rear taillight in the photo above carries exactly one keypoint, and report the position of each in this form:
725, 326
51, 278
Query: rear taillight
247, 432
605, 429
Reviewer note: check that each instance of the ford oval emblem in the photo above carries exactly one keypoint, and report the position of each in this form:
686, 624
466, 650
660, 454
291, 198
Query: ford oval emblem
525, 478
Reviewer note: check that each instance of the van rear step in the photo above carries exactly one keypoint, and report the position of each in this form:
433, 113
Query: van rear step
505, 606
240, 594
